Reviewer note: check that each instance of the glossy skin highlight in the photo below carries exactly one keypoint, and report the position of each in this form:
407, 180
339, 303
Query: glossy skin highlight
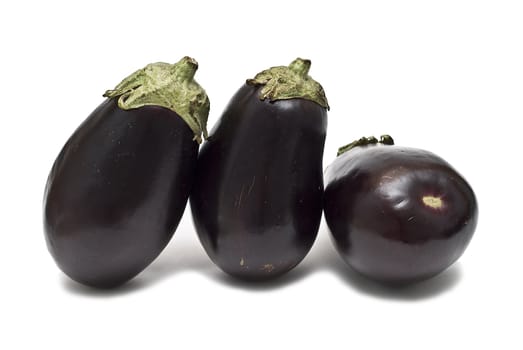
117, 191
396, 214
257, 198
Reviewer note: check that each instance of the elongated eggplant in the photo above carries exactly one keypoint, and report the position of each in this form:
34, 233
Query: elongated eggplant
257, 198
119, 186
397, 214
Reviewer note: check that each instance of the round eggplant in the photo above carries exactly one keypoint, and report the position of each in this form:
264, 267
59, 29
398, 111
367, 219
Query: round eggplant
397, 215
119, 186
257, 198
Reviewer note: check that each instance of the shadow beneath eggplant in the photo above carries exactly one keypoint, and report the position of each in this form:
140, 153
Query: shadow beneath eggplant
186, 255
325, 257
74, 287
283, 281
179, 257
182, 254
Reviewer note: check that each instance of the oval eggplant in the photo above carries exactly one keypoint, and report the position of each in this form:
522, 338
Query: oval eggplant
257, 198
396, 214
119, 186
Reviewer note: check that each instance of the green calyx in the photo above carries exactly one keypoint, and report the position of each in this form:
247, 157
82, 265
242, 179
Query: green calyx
167, 85
364, 141
284, 83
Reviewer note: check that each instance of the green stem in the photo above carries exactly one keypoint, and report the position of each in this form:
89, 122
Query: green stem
167, 85
288, 82
364, 141
300, 67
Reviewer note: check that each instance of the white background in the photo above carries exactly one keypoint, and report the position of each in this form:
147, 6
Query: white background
446, 76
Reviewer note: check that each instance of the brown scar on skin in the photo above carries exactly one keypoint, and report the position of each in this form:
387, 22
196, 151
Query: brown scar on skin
267, 267
240, 199
252, 185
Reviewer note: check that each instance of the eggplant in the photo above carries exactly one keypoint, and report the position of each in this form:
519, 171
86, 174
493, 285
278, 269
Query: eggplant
397, 215
257, 198
119, 186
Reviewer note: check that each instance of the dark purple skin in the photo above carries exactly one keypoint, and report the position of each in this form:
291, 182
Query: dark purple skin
257, 197
117, 191
380, 224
